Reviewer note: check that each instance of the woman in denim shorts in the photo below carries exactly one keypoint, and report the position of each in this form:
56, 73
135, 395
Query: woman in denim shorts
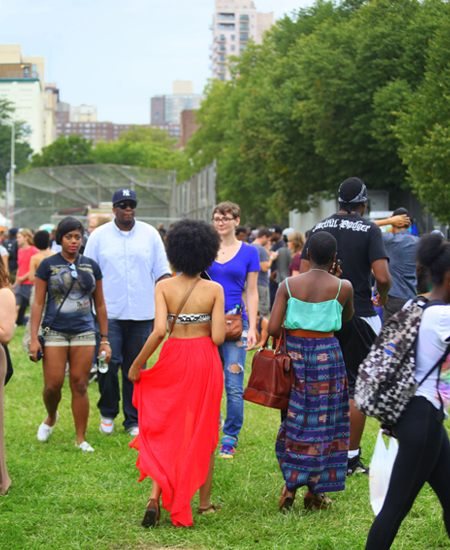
71, 282
236, 267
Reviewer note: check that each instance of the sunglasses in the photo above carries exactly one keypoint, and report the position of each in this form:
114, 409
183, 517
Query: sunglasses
123, 205
73, 271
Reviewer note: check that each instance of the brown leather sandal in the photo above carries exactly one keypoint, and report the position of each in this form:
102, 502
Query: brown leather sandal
286, 501
152, 513
210, 510
316, 502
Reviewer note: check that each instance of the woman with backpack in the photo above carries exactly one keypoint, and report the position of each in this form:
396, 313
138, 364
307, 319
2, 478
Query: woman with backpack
424, 448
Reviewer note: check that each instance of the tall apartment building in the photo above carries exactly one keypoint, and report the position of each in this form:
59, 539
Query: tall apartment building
234, 23
22, 83
165, 110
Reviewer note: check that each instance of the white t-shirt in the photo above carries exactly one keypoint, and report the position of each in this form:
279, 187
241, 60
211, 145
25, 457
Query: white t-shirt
431, 344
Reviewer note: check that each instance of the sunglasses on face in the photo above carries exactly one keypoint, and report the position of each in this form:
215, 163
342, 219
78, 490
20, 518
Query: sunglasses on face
123, 205
73, 271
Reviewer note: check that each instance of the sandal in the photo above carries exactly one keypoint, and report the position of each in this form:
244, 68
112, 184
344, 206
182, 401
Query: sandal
286, 501
210, 510
316, 502
152, 513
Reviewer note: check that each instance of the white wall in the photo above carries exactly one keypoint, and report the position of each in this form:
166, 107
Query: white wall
27, 97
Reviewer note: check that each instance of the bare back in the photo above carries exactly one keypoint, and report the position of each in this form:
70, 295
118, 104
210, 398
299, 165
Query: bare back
207, 297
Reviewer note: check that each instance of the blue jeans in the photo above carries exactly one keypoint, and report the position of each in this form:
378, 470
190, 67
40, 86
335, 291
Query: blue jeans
234, 353
126, 338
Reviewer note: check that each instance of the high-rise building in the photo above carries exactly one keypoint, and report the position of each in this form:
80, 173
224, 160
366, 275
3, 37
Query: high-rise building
166, 109
22, 83
234, 23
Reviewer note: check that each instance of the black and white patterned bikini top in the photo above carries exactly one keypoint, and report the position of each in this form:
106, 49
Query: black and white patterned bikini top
190, 318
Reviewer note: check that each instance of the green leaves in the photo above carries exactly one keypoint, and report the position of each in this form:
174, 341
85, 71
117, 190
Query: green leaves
320, 100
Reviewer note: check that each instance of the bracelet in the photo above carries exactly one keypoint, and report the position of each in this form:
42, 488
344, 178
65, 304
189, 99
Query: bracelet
103, 336
101, 343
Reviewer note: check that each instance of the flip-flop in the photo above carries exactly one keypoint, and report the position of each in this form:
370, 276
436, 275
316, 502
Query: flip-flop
286, 502
317, 502
210, 510
152, 513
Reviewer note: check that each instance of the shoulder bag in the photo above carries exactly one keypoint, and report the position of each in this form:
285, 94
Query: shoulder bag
185, 299
233, 325
272, 376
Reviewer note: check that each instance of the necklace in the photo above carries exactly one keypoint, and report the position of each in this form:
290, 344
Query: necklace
315, 269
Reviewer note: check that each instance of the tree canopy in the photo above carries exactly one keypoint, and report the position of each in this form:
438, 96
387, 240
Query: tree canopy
320, 100
22, 149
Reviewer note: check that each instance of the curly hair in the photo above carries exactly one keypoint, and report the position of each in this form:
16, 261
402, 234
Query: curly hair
4, 276
192, 246
41, 239
66, 226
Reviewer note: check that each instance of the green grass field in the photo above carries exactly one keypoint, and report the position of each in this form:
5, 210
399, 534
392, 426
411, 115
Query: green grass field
61, 498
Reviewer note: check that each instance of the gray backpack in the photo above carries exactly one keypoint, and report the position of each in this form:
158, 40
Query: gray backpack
385, 382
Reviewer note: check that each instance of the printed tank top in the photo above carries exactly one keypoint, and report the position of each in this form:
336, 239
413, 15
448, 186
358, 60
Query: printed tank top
322, 317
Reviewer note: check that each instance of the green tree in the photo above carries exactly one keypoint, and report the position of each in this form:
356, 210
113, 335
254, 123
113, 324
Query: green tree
65, 151
423, 129
22, 149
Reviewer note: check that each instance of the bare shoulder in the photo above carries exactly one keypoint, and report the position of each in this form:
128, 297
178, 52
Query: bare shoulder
212, 286
7, 294
346, 286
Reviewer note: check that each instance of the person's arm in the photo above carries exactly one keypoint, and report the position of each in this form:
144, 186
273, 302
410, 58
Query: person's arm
397, 221
7, 315
156, 337
349, 310
40, 290
383, 277
5, 262
218, 318
278, 311
33, 268
100, 309
264, 333
252, 307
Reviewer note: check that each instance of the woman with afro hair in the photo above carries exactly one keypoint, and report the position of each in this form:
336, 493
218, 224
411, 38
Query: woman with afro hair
178, 399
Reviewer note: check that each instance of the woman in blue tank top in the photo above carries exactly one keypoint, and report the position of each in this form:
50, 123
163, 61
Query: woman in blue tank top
312, 443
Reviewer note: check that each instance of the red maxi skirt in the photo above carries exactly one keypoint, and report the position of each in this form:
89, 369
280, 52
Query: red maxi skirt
178, 403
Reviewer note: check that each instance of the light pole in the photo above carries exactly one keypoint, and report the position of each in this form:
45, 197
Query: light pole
10, 180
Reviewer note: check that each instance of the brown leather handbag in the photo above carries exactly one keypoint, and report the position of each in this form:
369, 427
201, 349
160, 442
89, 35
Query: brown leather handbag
233, 325
272, 376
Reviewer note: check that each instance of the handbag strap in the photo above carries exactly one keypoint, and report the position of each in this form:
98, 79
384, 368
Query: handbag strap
47, 328
185, 299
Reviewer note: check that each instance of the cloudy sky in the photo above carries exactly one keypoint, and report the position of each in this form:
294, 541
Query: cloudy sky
117, 54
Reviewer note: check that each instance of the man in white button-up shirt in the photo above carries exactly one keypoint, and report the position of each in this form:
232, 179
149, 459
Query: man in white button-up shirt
131, 256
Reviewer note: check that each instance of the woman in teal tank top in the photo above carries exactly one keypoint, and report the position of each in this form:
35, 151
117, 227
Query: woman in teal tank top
312, 442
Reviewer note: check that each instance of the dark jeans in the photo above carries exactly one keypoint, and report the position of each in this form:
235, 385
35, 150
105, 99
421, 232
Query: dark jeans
423, 456
127, 338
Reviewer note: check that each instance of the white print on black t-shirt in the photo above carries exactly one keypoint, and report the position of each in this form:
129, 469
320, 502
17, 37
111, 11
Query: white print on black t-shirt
343, 224
354, 226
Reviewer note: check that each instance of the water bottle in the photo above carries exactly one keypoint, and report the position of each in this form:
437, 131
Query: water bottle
102, 366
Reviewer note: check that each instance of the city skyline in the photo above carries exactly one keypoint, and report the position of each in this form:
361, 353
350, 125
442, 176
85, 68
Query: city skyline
117, 56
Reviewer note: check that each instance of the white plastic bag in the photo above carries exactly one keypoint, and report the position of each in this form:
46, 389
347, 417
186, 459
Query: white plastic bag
380, 471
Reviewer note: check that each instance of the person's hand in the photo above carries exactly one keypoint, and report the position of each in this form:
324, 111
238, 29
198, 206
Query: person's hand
273, 255
35, 346
251, 339
107, 349
338, 272
134, 374
400, 221
379, 301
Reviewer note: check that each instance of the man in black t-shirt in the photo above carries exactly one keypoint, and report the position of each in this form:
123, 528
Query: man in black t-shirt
361, 250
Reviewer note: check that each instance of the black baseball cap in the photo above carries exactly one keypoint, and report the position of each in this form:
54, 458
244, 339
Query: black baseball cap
124, 195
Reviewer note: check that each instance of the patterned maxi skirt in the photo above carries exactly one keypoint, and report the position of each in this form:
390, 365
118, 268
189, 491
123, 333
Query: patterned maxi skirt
312, 443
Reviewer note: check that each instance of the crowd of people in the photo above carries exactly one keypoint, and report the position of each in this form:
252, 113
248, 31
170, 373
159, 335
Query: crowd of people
111, 293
